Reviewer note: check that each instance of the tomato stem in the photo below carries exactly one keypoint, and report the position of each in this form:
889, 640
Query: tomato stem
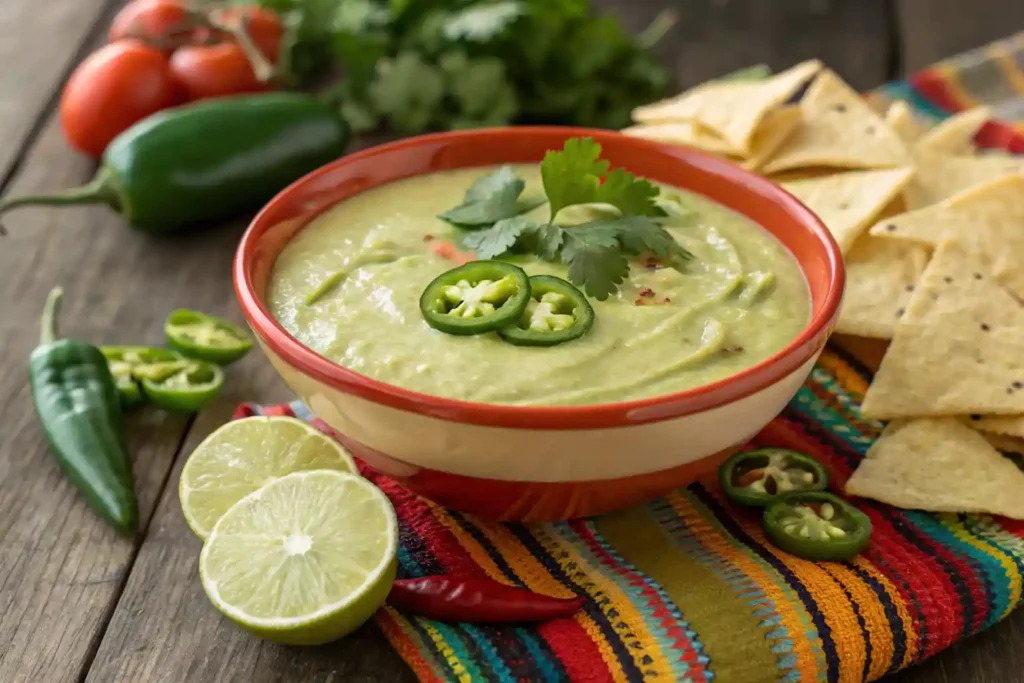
261, 66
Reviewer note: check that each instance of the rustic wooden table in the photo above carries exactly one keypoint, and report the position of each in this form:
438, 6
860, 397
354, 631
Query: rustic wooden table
77, 602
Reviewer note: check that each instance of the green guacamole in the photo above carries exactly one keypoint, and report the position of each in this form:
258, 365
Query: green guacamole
365, 262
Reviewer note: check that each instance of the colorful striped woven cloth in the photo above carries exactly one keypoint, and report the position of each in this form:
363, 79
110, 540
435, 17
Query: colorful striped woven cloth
687, 588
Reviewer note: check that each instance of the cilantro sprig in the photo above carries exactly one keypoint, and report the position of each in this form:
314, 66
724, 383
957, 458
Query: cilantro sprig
596, 251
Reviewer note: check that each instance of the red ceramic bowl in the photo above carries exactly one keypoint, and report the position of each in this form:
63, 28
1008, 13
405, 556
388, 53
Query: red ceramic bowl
541, 463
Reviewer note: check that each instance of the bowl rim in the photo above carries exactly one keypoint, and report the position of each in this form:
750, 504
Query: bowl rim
625, 413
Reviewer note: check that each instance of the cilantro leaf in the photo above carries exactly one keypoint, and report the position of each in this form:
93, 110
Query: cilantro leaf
549, 241
408, 91
499, 238
577, 175
573, 175
629, 194
641, 235
490, 199
595, 262
483, 23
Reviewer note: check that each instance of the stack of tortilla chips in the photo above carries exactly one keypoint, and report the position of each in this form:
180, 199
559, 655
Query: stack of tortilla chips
933, 236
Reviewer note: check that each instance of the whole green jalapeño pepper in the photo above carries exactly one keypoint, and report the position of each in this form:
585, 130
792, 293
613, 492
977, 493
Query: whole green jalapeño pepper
181, 386
556, 313
478, 297
208, 161
123, 361
761, 476
816, 525
202, 336
80, 411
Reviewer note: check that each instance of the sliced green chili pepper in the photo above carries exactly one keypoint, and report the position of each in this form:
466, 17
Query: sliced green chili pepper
77, 404
762, 476
123, 361
183, 386
556, 313
478, 297
202, 336
816, 525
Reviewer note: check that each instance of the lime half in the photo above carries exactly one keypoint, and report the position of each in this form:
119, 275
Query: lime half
305, 559
243, 455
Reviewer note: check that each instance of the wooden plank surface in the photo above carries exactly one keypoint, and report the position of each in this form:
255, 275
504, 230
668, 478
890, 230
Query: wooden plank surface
78, 603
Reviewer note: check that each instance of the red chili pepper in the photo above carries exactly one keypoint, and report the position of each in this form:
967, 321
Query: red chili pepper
472, 600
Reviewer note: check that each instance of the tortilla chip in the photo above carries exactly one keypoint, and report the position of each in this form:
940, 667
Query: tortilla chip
956, 134
682, 133
848, 203
939, 465
1008, 425
988, 220
732, 109
901, 119
941, 176
775, 128
839, 130
956, 350
880, 278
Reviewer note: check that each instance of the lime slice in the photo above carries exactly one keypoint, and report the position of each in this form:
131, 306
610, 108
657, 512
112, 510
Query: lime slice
243, 455
305, 559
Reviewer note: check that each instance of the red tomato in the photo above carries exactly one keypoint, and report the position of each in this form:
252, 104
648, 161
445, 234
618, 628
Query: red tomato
114, 87
204, 71
264, 27
148, 20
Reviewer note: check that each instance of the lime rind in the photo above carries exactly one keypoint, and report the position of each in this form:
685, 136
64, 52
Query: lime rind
267, 520
243, 455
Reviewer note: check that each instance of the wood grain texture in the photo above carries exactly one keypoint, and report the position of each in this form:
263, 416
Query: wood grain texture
39, 45
935, 29
713, 37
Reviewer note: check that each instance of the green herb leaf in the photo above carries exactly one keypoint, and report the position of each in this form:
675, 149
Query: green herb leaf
499, 238
482, 23
549, 241
490, 199
630, 195
408, 91
577, 175
573, 175
595, 262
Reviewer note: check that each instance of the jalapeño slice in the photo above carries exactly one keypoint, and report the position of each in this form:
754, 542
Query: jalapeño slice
183, 386
816, 525
557, 312
761, 476
124, 360
206, 337
478, 297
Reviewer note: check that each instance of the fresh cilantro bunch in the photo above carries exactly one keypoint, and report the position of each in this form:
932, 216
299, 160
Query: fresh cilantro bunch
418, 65
597, 251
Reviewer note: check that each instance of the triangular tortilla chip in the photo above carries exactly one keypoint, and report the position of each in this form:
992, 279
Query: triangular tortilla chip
848, 203
880, 278
939, 465
686, 133
956, 134
732, 109
901, 119
775, 128
988, 220
840, 130
941, 176
957, 348
1008, 425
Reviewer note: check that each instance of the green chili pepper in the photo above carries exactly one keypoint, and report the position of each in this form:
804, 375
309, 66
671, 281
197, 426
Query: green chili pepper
209, 161
123, 360
816, 525
762, 476
78, 405
202, 336
556, 313
478, 297
181, 386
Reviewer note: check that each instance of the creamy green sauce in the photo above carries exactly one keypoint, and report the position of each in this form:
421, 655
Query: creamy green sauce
365, 262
